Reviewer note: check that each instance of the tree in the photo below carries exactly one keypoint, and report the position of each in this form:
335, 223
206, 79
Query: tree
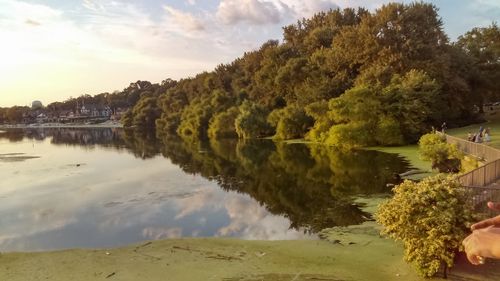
15, 114
414, 101
145, 112
482, 45
355, 115
252, 121
430, 218
322, 123
222, 125
194, 120
290, 122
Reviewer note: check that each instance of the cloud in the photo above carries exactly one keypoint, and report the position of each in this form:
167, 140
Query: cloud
195, 202
191, 2
250, 220
186, 20
251, 11
32, 22
92, 5
260, 12
308, 8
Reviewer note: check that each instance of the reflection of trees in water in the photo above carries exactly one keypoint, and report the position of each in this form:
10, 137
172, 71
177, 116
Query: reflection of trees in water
12, 135
143, 144
105, 137
312, 185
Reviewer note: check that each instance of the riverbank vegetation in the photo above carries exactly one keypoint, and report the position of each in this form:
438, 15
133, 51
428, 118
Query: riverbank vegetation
348, 77
344, 77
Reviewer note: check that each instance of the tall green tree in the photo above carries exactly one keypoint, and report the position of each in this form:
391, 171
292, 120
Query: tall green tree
482, 45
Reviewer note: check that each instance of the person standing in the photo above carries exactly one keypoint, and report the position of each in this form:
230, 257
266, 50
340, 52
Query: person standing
443, 127
487, 136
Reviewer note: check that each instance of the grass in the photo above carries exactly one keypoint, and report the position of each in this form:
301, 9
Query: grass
494, 126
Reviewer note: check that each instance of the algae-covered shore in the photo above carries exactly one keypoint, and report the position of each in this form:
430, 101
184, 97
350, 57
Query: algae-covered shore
215, 259
369, 258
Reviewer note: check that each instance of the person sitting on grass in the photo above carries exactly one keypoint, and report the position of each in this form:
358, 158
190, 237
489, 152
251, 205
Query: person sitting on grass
484, 242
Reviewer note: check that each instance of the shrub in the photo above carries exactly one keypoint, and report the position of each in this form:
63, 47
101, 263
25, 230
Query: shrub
431, 218
445, 157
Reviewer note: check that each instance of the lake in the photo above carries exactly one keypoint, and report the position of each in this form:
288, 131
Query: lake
95, 188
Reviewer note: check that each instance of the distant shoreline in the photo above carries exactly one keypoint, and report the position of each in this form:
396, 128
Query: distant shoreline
61, 125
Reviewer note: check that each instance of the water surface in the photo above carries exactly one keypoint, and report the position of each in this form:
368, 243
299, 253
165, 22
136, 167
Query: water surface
91, 188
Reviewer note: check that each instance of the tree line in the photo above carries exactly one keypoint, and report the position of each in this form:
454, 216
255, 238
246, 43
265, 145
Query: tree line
349, 77
346, 77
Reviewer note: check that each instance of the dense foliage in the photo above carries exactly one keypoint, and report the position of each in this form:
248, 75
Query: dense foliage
431, 218
345, 77
444, 156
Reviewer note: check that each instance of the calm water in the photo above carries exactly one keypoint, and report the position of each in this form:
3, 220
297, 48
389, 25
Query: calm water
67, 188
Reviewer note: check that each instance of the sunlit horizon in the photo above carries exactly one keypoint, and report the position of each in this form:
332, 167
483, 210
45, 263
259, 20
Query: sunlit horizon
54, 50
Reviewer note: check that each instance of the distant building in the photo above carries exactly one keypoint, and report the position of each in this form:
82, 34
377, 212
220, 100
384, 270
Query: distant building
95, 111
36, 105
41, 118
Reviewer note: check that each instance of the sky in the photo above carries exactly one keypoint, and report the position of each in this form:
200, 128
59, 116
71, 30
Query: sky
52, 50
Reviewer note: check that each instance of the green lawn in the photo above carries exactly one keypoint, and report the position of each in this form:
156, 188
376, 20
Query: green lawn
494, 131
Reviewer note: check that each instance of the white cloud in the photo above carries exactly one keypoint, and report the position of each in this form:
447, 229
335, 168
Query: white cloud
261, 12
195, 202
308, 8
250, 11
92, 5
186, 20
252, 221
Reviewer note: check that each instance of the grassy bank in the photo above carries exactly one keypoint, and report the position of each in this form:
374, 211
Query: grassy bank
494, 126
